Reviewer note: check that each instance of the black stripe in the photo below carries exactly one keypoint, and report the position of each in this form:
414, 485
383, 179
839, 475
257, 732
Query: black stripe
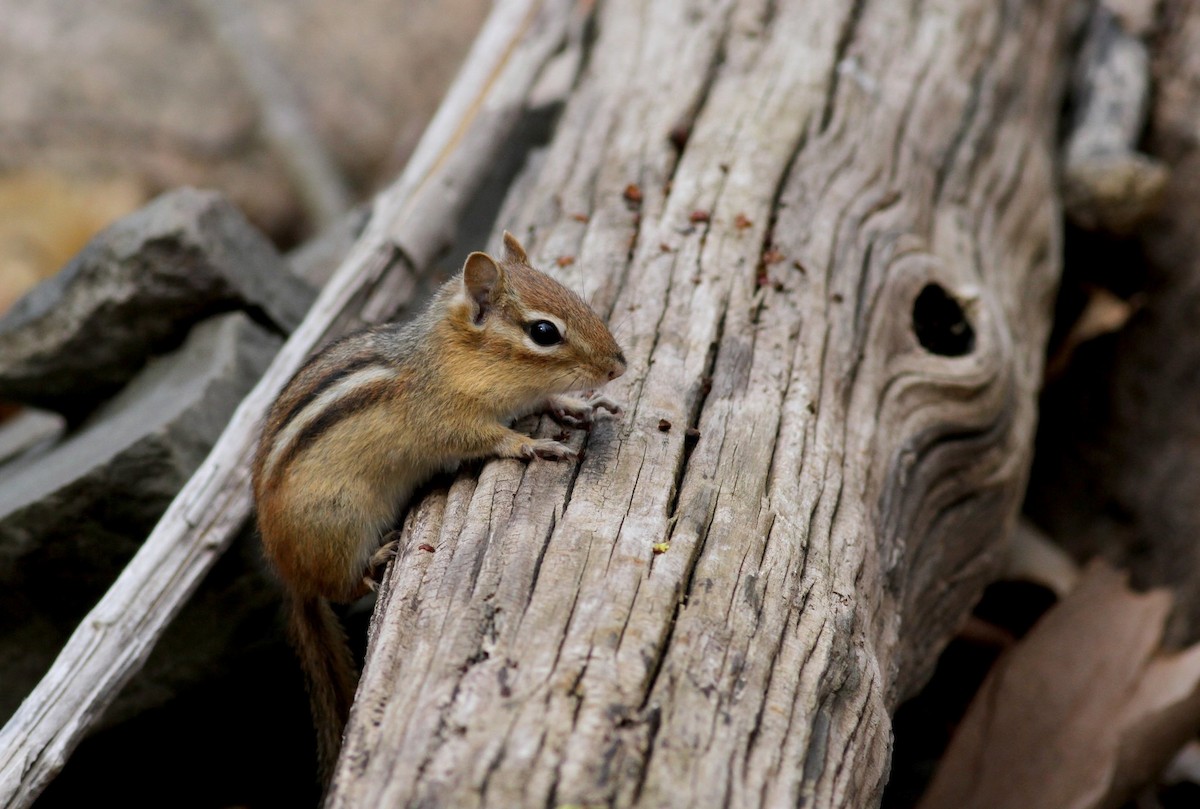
346, 406
323, 385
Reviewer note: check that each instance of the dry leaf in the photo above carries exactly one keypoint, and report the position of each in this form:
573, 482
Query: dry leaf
1033, 556
1080, 712
1185, 767
984, 633
1104, 313
1159, 718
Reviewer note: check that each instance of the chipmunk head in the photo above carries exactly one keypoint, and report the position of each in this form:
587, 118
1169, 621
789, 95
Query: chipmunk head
524, 318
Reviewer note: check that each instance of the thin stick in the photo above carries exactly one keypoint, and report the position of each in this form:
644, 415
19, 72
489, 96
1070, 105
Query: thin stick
286, 126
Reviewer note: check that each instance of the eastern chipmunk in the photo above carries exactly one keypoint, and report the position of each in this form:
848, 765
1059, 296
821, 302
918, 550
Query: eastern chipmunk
375, 414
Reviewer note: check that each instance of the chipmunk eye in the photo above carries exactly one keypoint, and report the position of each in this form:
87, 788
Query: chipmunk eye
544, 333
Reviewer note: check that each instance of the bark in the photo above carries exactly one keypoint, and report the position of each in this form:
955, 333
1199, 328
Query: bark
826, 235
411, 222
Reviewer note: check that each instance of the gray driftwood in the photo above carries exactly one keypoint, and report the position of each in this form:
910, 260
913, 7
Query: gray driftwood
410, 223
827, 236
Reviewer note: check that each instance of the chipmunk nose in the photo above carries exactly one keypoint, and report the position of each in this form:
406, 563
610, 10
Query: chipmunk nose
618, 365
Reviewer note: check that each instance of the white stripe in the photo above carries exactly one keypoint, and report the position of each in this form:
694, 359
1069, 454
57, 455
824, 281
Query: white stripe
313, 410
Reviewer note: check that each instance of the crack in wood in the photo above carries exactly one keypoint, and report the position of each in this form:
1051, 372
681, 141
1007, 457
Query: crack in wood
845, 39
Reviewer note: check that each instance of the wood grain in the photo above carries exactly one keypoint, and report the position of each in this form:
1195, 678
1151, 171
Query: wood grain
827, 237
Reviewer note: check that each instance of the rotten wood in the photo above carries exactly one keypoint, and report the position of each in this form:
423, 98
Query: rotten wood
827, 237
411, 222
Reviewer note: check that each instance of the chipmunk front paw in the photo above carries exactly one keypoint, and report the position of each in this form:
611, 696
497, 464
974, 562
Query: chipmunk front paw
581, 412
548, 449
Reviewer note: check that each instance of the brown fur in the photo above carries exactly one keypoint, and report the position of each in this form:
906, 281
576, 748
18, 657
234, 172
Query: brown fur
373, 415
329, 673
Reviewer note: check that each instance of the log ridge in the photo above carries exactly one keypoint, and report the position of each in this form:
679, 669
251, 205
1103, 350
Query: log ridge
827, 237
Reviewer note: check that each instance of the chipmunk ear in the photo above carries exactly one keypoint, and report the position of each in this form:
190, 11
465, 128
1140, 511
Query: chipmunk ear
513, 251
482, 280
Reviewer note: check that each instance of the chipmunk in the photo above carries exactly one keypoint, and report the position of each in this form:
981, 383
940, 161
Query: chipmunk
375, 414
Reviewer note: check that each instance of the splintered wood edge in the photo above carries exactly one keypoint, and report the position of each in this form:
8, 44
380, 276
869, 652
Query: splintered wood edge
472, 125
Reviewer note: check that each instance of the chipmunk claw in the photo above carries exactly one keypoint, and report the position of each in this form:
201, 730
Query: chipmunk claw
581, 412
378, 562
386, 551
548, 449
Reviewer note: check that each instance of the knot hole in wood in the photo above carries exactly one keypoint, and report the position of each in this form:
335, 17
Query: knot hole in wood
941, 324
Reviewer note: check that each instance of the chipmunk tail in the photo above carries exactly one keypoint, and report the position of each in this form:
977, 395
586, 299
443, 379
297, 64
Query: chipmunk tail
330, 674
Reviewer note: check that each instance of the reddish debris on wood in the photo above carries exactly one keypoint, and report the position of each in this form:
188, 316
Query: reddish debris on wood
679, 135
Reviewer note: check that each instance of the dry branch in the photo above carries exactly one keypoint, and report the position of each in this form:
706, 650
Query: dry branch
284, 123
411, 222
1107, 183
828, 240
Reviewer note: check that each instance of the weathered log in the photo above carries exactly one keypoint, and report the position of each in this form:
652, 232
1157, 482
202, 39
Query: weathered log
827, 236
411, 222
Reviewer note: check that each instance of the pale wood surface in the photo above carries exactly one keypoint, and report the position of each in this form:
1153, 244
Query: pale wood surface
849, 491
411, 222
